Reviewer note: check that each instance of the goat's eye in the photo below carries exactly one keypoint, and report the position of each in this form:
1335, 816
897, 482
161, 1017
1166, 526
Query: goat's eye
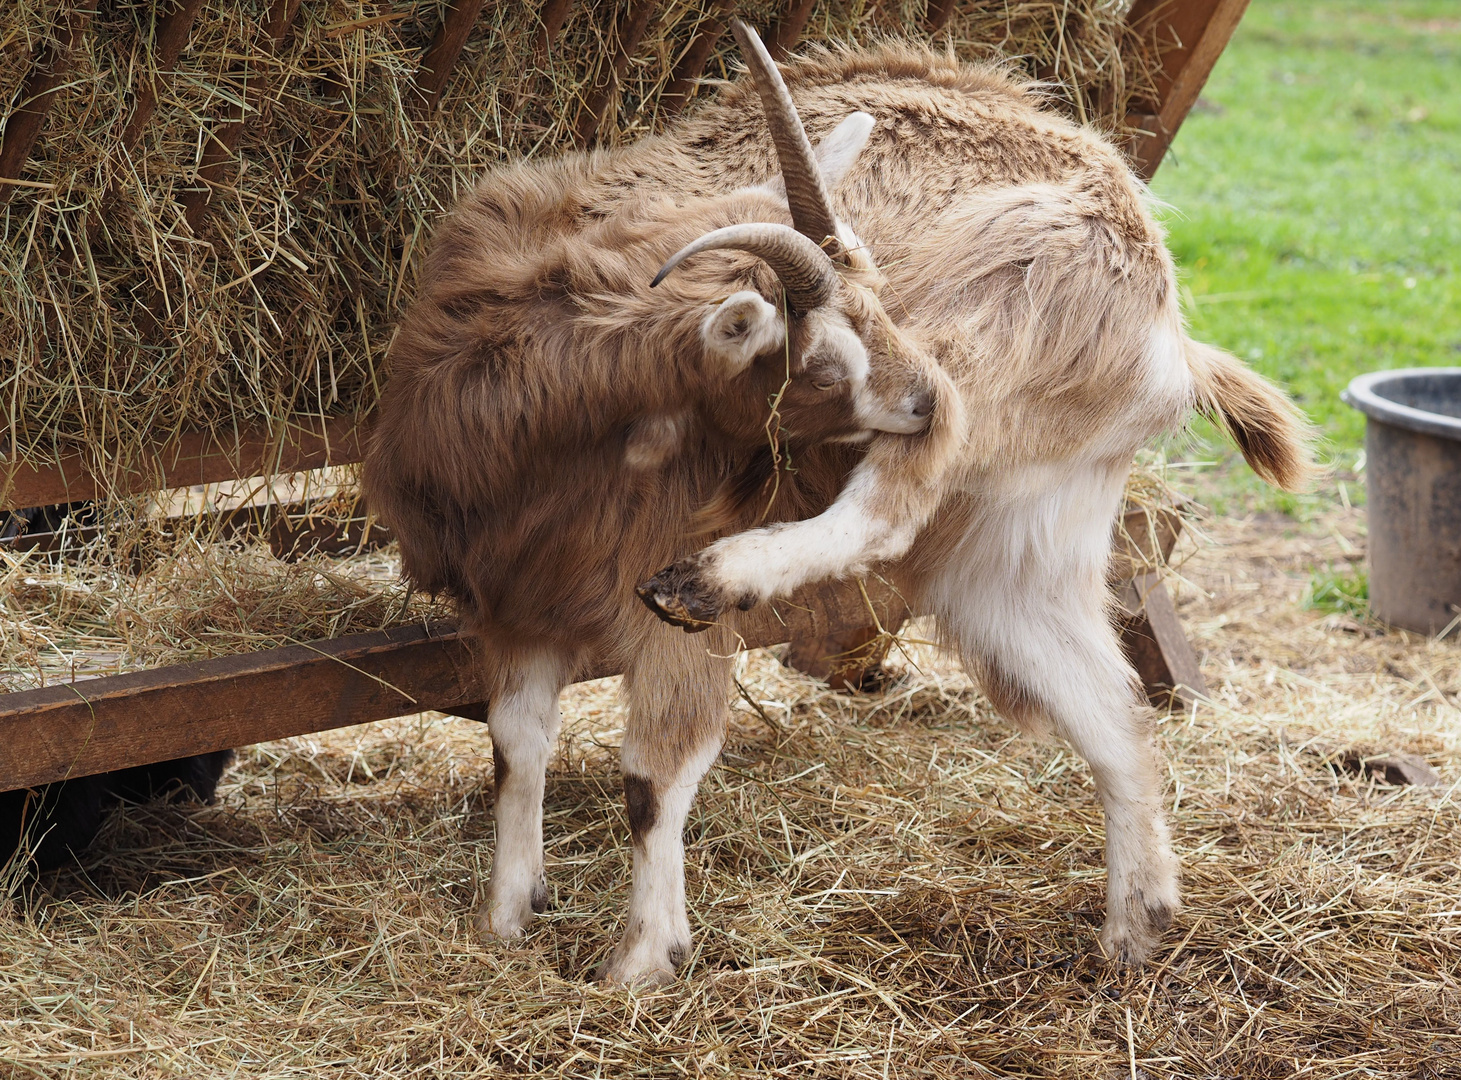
825, 378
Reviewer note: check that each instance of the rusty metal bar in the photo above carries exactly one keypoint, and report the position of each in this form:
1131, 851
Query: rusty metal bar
552, 17
441, 56
681, 87
41, 89
172, 35
938, 14
789, 29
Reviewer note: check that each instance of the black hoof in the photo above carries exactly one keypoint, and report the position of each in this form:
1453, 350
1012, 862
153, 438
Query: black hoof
678, 597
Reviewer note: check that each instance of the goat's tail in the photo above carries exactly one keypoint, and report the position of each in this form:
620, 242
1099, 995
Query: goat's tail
1275, 437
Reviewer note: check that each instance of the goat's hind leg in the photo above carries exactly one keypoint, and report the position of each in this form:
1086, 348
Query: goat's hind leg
1080, 688
523, 718
1033, 626
678, 695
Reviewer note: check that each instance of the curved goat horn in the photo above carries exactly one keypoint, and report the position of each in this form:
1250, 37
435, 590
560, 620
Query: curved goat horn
805, 270
806, 195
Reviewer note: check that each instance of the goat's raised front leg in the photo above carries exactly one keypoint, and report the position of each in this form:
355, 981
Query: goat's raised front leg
523, 719
1024, 596
678, 700
874, 519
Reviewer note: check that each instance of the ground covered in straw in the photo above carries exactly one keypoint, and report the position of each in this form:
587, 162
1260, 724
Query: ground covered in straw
887, 885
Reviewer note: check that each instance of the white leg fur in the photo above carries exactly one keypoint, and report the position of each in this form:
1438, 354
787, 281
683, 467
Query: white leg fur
657, 933
524, 721
1024, 597
844, 540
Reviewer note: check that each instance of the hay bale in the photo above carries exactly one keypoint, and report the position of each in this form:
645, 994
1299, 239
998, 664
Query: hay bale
128, 325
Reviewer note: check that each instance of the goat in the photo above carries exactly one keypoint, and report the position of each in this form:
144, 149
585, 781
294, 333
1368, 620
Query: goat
1022, 252
552, 430
1011, 246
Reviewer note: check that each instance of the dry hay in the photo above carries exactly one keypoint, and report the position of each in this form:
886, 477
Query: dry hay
128, 327
891, 885
153, 591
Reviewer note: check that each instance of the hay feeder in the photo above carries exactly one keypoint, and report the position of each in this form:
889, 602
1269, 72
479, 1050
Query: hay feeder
142, 256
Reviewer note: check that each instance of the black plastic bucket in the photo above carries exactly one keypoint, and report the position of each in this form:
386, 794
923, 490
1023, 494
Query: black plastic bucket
1413, 482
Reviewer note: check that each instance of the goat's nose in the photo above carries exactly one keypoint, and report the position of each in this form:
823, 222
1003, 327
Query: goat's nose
921, 404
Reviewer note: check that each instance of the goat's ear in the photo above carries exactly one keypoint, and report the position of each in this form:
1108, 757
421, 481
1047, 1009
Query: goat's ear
742, 327
836, 154
839, 151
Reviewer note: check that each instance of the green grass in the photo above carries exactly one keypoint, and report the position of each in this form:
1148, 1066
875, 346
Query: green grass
1348, 594
1315, 198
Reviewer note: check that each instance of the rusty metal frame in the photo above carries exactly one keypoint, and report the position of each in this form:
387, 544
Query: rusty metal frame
72, 729
628, 34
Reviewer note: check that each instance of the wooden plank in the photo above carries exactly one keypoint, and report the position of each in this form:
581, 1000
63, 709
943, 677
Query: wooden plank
193, 458
218, 151
1154, 642
97, 725
1192, 36
113, 722
1144, 540
629, 33
1151, 633
441, 55
790, 27
683, 80
42, 87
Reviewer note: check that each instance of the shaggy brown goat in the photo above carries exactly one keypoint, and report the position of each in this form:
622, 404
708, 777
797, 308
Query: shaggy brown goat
558, 424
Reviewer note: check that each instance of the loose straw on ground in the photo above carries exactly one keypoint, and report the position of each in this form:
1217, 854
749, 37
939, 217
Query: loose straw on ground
889, 885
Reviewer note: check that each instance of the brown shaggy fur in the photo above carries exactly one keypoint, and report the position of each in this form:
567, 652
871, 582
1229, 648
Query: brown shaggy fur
551, 425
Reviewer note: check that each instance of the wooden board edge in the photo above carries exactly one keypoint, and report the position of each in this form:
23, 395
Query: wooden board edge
1197, 33
97, 725
193, 458
117, 721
